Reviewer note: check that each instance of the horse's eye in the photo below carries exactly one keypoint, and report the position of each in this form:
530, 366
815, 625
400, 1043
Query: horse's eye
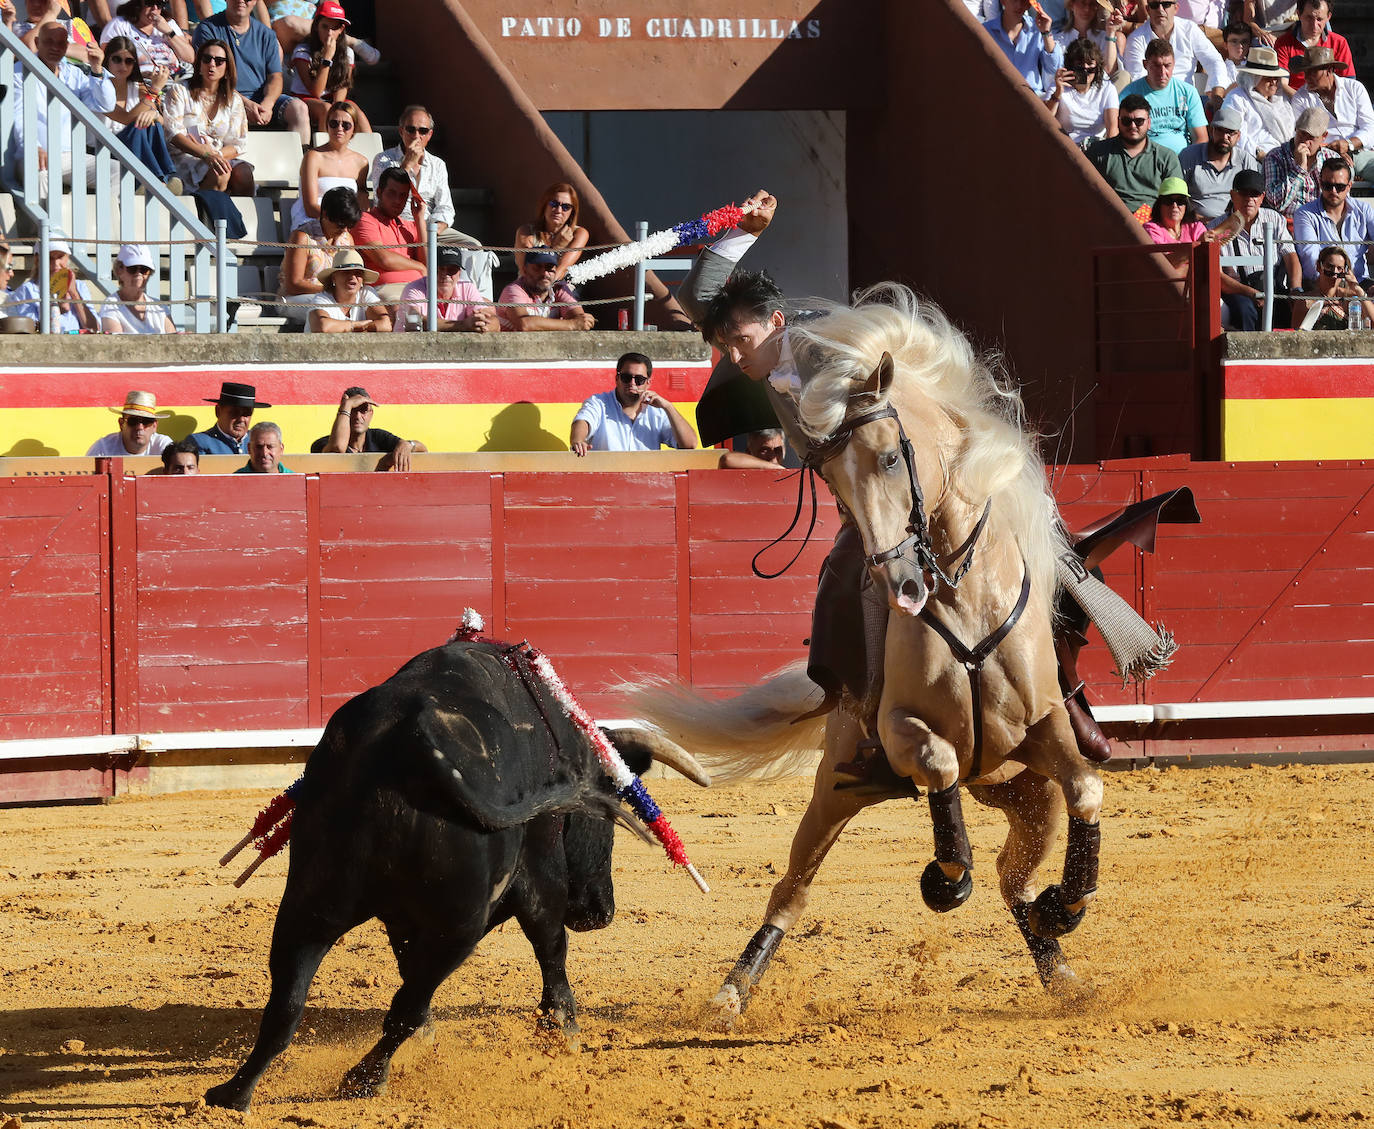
890, 460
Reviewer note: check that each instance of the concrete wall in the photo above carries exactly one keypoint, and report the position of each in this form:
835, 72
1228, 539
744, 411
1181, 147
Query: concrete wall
697, 160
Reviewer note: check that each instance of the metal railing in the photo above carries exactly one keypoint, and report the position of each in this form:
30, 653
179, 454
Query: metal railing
104, 216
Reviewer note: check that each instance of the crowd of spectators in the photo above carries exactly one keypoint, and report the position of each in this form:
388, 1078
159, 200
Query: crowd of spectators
1239, 122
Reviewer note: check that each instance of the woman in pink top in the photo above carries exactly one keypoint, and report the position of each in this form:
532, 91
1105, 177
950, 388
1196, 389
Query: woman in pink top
1172, 219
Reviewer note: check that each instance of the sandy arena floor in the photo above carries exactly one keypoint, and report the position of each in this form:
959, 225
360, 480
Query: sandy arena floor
1229, 952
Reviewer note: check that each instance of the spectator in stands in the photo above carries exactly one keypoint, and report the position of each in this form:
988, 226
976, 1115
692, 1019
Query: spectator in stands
1235, 45
348, 304
1028, 42
1211, 165
290, 20
138, 433
1312, 29
1351, 130
158, 42
764, 450
264, 451
312, 248
1336, 218
1292, 171
1267, 18
40, 12
74, 304
1266, 118
1210, 16
1172, 219
1335, 286
353, 433
392, 246
331, 165
534, 302
137, 118
1087, 19
1083, 102
322, 67
1190, 46
181, 457
1176, 116
6, 277
427, 172
630, 417
555, 228
94, 89
1242, 287
208, 125
128, 309
1130, 162
461, 306
233, 413
257, 68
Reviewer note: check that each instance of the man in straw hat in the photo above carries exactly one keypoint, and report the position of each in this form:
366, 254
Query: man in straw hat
138, 433
233, 414
1345, 99
1313, 29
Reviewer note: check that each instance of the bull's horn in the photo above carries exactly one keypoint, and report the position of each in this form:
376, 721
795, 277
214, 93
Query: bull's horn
666, 752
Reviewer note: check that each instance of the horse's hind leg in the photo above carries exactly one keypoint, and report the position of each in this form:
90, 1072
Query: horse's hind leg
1032, 806
1051, 750
917, 751
825, 817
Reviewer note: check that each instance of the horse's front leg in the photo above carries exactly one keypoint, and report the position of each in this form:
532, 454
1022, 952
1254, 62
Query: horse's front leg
825, 817
1052, 751
917, 751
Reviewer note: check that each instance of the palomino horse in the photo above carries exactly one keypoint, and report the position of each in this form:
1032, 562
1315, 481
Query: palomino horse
961, 536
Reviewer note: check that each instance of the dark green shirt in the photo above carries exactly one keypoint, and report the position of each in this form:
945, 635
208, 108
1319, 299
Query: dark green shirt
1135, 179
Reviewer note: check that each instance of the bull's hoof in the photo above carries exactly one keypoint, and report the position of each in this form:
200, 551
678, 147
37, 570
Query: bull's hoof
229, 1096
366, 1080
727, 1009
941, 893
1050, 917
561, 1029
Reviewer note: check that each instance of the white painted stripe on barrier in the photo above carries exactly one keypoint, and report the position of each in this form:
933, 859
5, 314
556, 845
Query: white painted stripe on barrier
43, 748
1290, 707
231, 739
1130, 712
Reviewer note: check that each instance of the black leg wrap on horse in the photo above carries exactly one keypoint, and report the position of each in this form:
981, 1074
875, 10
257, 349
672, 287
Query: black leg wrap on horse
1045, 951
1080, 860
947, 820
753, 962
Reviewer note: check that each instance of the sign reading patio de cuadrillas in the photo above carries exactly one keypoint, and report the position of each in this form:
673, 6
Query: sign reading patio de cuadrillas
686, 54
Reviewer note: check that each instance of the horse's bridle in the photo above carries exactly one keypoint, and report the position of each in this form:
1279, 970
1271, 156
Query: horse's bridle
918, 542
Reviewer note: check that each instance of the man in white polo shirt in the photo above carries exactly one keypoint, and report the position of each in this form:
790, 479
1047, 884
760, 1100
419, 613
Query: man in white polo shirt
630, 417
138, 433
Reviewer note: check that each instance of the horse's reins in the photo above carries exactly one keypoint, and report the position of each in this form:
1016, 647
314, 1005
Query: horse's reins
922, 548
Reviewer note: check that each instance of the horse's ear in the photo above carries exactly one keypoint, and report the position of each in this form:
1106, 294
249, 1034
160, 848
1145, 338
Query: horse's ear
880, 380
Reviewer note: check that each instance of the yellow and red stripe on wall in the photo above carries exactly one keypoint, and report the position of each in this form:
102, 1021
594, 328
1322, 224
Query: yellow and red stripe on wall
1321, 408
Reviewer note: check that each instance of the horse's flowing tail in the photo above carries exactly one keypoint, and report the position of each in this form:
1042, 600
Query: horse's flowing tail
754, 733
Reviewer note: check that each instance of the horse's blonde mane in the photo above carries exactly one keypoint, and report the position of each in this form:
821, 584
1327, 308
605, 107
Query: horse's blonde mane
997, 457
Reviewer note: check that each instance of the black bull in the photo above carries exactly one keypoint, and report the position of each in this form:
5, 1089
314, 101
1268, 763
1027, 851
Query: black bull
444, 802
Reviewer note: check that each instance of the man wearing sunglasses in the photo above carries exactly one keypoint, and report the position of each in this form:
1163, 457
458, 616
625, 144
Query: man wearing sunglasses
534, 303
1335, 218
630, 417
1190, 43
1130, 162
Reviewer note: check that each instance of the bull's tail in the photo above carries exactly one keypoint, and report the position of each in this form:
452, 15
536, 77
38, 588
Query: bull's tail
755, 733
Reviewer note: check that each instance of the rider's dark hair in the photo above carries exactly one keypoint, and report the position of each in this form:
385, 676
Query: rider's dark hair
185, 446
747, 296
635, 359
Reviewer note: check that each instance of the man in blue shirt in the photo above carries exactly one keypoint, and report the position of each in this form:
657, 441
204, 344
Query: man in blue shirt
1176, 117
233, 413
1028, 42
264, 451
630, 417
257, 61
1335, 218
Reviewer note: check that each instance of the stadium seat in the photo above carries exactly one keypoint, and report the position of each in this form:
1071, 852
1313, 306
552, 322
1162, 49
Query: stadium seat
276, 158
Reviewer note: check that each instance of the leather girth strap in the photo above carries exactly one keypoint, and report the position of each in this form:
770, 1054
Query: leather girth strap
973, 659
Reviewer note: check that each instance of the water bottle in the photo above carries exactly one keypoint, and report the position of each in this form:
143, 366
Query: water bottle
1355, 319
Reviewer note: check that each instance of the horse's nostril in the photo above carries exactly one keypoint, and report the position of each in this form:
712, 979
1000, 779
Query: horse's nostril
912, 590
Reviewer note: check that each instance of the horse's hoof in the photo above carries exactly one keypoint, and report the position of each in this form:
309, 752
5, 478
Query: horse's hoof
1050, 918
940, 893
365, 1081
728, 1008
228, 1096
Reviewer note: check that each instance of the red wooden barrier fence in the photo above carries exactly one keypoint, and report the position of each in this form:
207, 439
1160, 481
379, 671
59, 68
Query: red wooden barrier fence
144, 605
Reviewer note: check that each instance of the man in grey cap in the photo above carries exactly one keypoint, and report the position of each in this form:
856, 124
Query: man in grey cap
535, 303
1292, 171
1210, 166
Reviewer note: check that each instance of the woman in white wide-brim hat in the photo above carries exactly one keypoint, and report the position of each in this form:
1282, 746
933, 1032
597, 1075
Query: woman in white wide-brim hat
1266, 118
348, 303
